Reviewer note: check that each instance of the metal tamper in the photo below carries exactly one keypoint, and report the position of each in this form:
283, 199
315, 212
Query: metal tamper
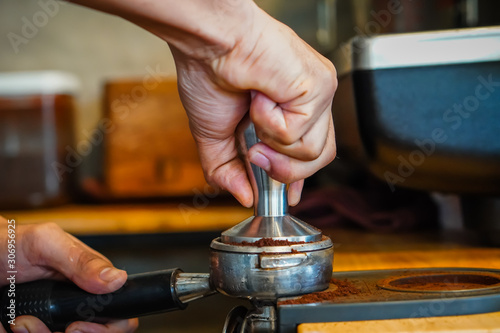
267, 256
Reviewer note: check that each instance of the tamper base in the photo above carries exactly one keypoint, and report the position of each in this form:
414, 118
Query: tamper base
284, 227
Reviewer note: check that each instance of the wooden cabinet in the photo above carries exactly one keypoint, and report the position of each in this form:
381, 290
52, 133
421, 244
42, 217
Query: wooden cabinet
149, 150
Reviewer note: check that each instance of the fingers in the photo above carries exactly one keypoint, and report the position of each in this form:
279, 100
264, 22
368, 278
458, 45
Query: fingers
232, 177
285, 163
29, 324
283, 124
287, 169
121, 326
295, 134
294, 192
48, 248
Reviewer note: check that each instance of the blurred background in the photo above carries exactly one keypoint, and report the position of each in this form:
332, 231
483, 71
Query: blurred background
93, 136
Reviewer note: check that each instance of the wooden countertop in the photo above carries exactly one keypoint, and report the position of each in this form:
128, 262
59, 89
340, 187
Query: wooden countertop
354, 250
136, 218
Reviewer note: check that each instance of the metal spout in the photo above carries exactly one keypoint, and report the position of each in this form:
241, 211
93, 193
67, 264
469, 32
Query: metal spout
193, 286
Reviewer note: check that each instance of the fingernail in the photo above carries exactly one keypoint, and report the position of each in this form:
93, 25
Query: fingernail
261, 161
19, 329
112, 276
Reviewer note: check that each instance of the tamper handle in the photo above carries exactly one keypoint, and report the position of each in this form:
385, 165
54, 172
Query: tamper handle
270, 196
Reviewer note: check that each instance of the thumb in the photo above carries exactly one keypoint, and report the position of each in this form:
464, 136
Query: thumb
59, 252
28, 324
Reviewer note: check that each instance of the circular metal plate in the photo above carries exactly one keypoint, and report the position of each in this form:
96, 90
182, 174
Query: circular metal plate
442, 282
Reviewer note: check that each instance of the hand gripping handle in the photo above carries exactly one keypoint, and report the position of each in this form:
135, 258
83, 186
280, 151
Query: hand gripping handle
59, 303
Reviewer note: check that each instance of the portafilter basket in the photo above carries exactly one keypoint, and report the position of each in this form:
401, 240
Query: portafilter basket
271, 254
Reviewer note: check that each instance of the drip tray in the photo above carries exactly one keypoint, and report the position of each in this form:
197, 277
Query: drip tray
393, 294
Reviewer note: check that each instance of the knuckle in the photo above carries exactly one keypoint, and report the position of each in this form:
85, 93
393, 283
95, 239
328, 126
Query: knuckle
211, 178
283, 174
312, 153
34, 240
281, 136
330, 80
288, 138
314, 149
45, 230
331, 154
85, 259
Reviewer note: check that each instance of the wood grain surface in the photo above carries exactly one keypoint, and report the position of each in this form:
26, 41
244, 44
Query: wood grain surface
149, 151
482, 323
130, 219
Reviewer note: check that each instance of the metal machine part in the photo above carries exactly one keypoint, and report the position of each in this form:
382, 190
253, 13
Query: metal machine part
192, 286
406, 99
262, 318
300, 264
420, 49
272, 271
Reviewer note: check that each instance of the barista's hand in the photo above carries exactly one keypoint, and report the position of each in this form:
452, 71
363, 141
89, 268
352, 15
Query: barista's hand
224, 49
46, 251
289, 90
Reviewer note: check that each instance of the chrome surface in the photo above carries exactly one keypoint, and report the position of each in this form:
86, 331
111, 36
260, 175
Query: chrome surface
268, 276
235, 319
193, 286
261, 319
285, 227
443, 47
270, 196
273, 261
271, 218
269, 272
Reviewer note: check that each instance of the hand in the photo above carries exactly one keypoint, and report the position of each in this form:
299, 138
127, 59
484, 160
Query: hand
288, 88
224, 50
46, 251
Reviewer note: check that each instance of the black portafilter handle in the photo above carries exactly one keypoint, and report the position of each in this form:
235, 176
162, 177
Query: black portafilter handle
59, 303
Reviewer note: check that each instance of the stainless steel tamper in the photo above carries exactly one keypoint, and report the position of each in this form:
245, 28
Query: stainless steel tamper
241, 268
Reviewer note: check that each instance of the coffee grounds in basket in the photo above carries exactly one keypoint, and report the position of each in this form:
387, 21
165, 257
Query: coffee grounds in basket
268, 242
344, 288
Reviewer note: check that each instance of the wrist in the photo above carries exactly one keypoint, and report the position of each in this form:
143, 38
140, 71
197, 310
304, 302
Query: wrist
199, 29
209, 29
